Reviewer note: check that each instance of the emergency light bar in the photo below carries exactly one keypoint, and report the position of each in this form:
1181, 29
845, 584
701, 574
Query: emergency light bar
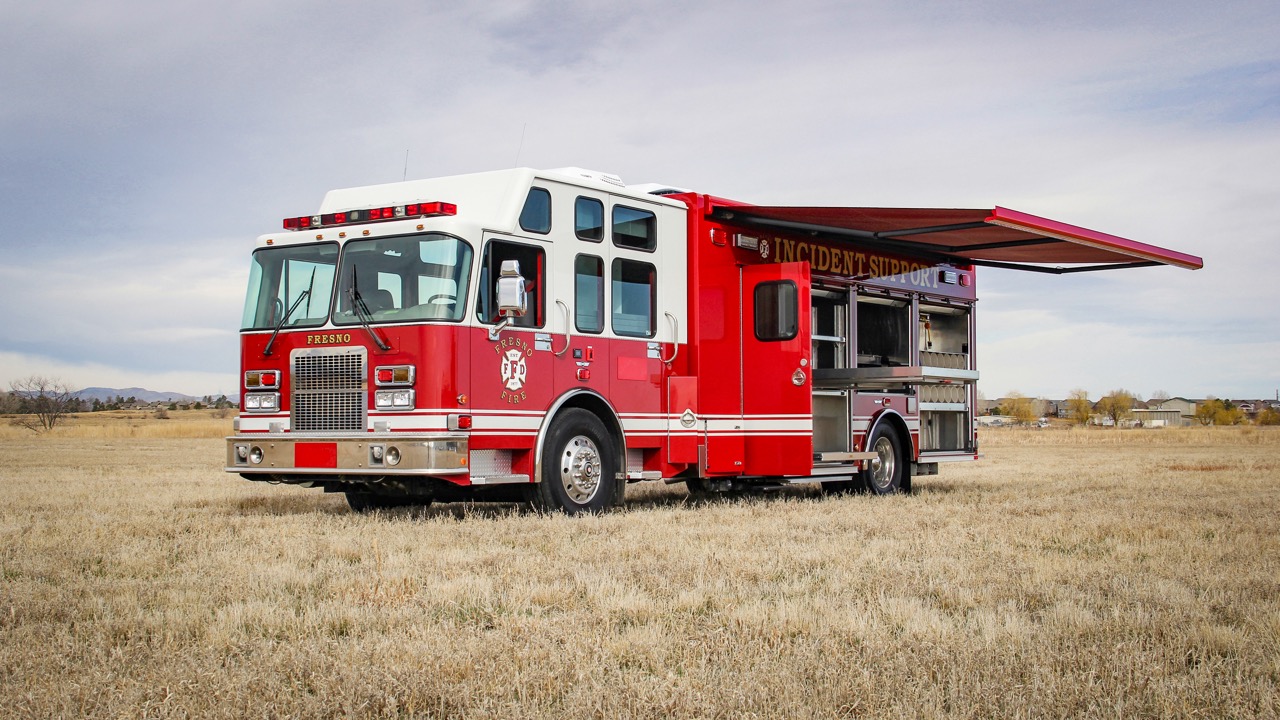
350, 217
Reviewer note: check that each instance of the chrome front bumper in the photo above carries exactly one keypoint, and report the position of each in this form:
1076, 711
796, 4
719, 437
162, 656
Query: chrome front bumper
347, 454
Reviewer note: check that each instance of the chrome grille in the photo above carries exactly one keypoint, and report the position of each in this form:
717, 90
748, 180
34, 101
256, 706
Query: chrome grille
328, 390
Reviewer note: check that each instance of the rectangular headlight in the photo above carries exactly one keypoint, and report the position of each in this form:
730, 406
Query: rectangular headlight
393, 399
262, 402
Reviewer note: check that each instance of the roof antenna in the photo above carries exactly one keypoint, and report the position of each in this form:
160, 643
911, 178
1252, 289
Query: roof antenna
406, 164
521, 148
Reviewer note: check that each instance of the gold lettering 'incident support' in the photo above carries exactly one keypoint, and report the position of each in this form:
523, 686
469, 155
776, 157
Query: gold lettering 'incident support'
855, 263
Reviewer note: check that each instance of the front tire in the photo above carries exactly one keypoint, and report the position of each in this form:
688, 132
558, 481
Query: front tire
886, 473
579, 466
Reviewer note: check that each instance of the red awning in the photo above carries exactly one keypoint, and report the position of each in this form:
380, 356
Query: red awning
998, 237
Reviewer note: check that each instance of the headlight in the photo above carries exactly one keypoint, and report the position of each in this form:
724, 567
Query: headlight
262, 402
393, 399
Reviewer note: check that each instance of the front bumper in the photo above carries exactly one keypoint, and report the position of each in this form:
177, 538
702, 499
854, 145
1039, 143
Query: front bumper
348, 455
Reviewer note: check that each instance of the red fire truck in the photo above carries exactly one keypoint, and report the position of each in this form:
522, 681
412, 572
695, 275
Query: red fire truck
551, 336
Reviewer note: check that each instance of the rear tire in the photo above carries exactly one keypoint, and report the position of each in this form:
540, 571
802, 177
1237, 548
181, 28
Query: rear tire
579, 466
886, 473
699, 488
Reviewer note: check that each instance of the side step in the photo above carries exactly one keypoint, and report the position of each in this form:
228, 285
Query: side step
841, 457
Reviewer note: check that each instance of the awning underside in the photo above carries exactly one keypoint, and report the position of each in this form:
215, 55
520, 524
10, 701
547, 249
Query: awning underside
998, 237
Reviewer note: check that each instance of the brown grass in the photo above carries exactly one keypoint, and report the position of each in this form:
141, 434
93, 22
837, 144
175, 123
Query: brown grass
1089, 574
131, 424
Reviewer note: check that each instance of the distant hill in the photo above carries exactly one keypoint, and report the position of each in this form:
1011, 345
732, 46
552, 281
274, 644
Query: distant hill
142, 394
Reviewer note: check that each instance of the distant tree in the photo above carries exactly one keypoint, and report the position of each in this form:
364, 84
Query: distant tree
1268, 416
1228, 415
8, 403
1079, 409
173, 406
97, 405
1207, 411
1021, 407
162, 414
1117, 405
1158, 397
43, 402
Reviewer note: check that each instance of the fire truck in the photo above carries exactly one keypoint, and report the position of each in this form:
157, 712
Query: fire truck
551, 336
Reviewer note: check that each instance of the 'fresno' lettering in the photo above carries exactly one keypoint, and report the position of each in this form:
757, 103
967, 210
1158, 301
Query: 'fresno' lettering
515, 342
328, 338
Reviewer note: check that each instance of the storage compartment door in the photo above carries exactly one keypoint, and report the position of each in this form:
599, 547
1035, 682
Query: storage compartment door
777, 373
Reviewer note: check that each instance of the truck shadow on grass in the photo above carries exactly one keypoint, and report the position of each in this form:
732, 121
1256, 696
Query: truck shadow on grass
639, 498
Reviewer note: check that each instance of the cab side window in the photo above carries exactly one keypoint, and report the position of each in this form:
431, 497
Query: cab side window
536, 215
588, 219
532, 267
634, 229
634, 297
588, 293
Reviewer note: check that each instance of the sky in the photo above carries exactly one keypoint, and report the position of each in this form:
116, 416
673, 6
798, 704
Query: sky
144, 146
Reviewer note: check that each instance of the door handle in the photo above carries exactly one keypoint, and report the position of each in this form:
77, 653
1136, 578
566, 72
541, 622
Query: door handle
675, 337
568, 322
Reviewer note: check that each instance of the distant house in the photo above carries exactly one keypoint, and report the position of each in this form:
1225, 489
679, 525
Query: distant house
1155, 417
1186, 408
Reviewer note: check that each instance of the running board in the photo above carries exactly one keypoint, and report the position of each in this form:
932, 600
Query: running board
842, 457
933, 456
499, 479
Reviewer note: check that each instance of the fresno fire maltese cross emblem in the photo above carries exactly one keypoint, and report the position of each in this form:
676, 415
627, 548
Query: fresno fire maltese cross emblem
513, 370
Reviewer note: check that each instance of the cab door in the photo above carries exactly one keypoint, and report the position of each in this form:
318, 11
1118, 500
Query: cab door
777, 384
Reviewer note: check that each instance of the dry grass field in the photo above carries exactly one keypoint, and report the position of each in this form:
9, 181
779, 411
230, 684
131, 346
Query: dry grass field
1069, 574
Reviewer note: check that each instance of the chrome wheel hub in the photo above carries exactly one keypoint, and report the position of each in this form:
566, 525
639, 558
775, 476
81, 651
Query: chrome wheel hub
580, 469
883, 464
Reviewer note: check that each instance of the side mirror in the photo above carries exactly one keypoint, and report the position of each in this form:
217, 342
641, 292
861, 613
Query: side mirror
512, 301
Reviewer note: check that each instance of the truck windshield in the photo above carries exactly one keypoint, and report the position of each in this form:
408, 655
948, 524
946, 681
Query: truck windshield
279, 276
410, 277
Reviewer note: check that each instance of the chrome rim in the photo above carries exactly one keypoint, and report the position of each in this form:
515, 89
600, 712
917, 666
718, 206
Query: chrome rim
883, 464
580, 469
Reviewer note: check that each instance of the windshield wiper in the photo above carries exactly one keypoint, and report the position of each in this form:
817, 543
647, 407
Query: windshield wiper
362, 311
305, 294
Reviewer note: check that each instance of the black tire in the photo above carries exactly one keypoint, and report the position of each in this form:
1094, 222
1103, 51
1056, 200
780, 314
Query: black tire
579, 466
363, 502
699, 488
886, 474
